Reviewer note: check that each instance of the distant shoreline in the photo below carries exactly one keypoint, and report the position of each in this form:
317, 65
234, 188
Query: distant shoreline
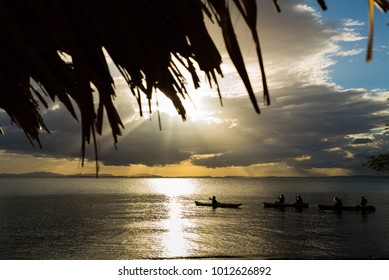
102, 176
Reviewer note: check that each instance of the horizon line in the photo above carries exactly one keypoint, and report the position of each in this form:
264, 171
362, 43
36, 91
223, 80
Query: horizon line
46, 174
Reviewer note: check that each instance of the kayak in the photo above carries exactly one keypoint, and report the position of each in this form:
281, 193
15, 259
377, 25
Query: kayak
347, 208
284, 205
220, 205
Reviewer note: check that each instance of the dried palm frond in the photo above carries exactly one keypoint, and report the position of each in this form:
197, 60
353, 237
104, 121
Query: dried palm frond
383, 5
145, 40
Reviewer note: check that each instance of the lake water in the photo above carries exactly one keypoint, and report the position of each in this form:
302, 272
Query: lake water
158, 219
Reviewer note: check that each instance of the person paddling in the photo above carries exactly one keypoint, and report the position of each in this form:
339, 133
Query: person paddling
364, 201
338, 202
214, 202
281, 199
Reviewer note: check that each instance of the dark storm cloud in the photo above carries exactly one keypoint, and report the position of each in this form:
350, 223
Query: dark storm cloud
64, 139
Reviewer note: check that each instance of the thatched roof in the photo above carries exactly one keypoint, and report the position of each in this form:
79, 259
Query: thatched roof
141, 37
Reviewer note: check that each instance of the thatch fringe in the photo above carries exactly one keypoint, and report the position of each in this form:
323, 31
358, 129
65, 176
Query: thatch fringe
141, 37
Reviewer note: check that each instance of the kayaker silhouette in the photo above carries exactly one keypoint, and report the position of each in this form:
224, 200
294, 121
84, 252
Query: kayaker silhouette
338, 202
364, 201
214, 202
299, 199
281, 199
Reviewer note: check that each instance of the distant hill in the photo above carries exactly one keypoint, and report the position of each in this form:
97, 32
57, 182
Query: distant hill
33, 175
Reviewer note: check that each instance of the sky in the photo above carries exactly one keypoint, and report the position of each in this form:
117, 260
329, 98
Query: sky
328, 108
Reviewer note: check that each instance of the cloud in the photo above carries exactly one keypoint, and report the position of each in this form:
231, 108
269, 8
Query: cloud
312, 122
64, 139
350, 52
361, 141
351, 22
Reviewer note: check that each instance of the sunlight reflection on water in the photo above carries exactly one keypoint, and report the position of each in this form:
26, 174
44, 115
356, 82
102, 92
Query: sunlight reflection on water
175, 241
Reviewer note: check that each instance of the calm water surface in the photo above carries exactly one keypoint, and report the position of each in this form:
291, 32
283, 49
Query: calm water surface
157, 219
